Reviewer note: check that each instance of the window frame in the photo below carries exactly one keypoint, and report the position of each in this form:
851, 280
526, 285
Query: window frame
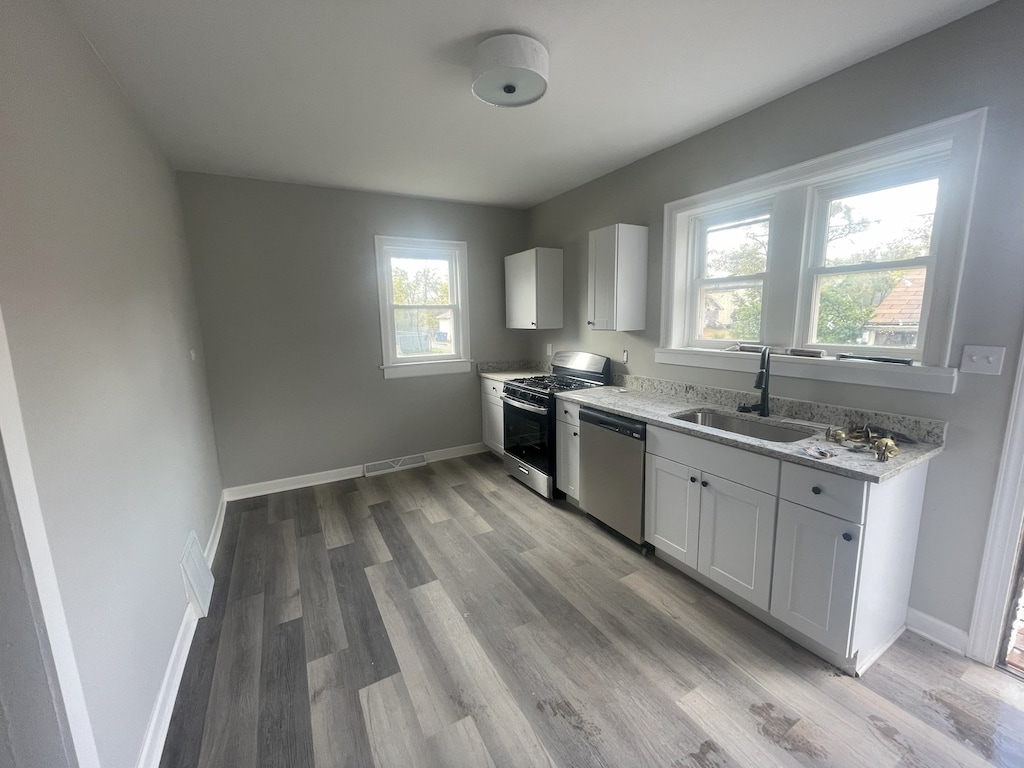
951, 147
699, 226
456, 252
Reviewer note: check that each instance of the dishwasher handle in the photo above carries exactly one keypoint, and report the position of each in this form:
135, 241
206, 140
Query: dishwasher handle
622, 425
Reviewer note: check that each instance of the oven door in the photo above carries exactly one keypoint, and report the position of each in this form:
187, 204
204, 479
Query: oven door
530, 434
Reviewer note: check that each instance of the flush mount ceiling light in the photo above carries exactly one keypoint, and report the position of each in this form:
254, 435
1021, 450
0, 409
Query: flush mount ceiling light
510, 71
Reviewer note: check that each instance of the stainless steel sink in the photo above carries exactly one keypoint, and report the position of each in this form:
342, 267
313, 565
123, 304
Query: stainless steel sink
762, 430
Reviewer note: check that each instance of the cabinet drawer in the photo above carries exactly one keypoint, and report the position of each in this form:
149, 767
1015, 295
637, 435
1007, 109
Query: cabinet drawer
567, 412
835, 495
750, 469
490, 387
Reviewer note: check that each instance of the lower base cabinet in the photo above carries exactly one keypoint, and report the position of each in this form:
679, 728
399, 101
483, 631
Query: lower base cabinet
567, 448
721, 528
672, 508
737, 537
823, 558
493, 415
815, 577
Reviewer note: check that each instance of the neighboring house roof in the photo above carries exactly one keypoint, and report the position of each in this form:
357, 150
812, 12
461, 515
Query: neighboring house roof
902, 307
445, 315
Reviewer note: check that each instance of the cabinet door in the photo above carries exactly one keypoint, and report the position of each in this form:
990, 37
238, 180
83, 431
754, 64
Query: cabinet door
567, 467
737, 536
521, 290
601, 280
816, 561
494, 424
672, 508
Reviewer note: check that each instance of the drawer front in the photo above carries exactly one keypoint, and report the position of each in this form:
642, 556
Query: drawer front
567, 412
745, 467
835, 495
490, 387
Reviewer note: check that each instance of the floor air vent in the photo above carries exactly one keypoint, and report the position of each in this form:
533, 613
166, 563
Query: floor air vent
393, 465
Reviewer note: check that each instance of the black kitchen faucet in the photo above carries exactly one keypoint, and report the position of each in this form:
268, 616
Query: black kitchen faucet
761, 382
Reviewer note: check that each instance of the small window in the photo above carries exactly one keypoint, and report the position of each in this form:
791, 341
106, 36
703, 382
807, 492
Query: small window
423, 306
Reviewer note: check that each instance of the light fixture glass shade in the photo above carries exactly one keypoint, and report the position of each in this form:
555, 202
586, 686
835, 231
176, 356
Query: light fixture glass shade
510, 71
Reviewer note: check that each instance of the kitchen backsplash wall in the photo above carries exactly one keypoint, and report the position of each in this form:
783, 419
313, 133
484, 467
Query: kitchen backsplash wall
921, 430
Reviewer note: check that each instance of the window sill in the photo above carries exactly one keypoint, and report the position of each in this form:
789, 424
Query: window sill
913, 377
426, 368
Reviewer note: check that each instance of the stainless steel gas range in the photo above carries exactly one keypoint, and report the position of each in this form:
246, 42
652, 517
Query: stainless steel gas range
529, 410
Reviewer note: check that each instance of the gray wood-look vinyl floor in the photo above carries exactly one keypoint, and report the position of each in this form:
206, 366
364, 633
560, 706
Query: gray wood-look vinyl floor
446, 616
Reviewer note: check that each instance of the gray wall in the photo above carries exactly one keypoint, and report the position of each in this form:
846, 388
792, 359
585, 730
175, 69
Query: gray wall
972, 63
33, 725
96, 295
287, 291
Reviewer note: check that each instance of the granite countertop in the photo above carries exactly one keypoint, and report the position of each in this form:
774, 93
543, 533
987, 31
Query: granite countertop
654, 409
506, 375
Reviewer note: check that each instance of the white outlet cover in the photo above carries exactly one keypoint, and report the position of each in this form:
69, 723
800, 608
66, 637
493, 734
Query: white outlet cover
986, 360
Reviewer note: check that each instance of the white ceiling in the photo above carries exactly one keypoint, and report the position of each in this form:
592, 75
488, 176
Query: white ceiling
375, 94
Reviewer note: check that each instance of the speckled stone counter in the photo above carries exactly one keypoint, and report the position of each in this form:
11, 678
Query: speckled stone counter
654, 404
520, 373
506, 368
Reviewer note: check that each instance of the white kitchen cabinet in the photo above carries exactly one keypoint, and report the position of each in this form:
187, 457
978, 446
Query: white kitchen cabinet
567, 448
844, 559
737, 538
672, 508
816, 559
533, 289
617, 278
493, 415
722, 528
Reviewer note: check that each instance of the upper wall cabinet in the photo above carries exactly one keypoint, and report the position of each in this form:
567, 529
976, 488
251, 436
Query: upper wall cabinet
617, 278
533, 289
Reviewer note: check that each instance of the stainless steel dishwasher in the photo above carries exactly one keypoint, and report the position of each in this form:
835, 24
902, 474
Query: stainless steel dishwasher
612, 471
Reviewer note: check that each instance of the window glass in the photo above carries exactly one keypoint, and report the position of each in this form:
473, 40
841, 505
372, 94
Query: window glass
861, 296
731, 313
739, 248
885, 225
733, 262
875, 308
424, 315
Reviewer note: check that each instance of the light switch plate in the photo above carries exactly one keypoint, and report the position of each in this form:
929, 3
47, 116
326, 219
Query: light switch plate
549, 350
987, 360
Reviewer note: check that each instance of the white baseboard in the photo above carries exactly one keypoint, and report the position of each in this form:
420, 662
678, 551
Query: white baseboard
456, 452
160, 717
939, 632
218, 525
334, 475
291, 483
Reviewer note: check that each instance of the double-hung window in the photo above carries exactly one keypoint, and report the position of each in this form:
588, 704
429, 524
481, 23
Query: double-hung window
423, 305
731, 264
859, 252
871, 263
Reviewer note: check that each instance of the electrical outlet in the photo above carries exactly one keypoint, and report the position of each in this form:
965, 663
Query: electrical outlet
625, 356
987, 360
549, 350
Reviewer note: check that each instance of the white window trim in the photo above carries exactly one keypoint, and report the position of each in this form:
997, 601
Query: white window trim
428, 365
958, 138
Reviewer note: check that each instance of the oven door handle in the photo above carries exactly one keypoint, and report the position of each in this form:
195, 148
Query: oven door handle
525, 406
